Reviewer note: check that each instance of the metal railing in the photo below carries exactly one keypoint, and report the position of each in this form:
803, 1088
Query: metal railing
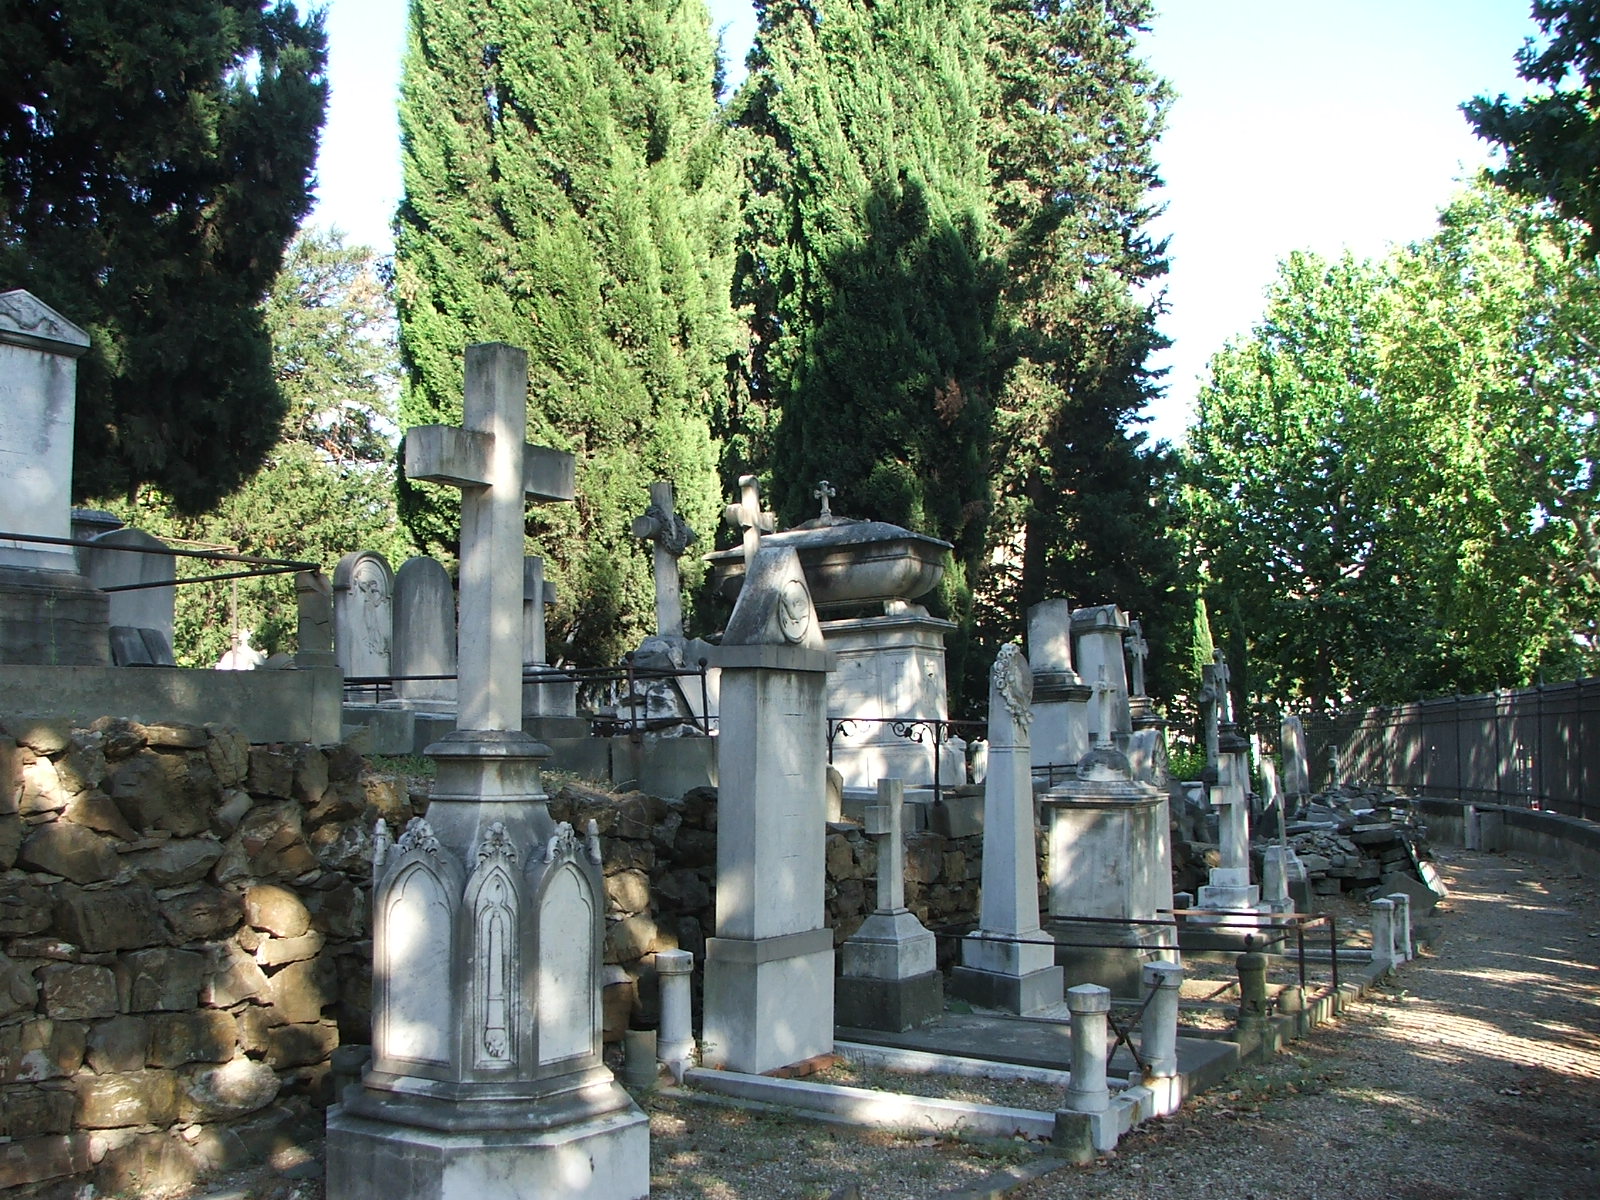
913, 729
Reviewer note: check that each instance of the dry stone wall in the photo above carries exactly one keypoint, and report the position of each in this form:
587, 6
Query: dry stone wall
185, 957
183, 945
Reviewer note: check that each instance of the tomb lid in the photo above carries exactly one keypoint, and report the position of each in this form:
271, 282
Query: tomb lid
848, 562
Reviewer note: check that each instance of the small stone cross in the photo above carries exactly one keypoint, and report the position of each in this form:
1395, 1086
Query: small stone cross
497, 472
747, 517
537, 594
1138, 651
884, 822
825, 492
670, 536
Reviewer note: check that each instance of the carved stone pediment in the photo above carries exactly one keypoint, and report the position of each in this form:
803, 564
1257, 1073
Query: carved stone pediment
26, 320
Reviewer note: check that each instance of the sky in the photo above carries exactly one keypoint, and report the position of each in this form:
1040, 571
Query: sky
1298, 125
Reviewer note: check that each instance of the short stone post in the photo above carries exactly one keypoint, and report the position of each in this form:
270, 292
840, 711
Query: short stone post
1088, 1093
1402, 927
1158, 1027
1383, 934
1253, 1003
675, 1040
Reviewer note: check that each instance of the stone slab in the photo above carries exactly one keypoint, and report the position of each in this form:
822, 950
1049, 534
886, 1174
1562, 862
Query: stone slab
1020, 994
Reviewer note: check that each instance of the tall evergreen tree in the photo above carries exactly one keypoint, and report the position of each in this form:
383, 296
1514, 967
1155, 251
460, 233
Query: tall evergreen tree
1080, 500
567, 190
155, 159
866, 270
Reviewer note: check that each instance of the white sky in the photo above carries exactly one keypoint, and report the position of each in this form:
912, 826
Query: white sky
1299, 124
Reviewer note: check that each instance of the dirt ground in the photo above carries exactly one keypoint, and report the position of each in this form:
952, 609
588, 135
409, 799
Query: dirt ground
1476, 1074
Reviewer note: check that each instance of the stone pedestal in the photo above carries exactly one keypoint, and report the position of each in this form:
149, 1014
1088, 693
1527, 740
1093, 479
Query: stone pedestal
50, 615
769, 969
1110, 860
888, 667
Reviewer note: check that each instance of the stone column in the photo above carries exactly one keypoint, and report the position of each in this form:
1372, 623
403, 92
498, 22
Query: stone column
1060, 732
769, 969
1254, 1007
1088, 1092
1009, 962
1402, 926
1158, 1027
1383, 934
675, 1040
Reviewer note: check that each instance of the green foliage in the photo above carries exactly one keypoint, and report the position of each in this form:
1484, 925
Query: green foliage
1552, 140
328, 487
1390, 480
155, 159
568, 190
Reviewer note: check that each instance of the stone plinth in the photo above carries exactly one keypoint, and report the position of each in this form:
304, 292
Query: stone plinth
1110, 860
888, 667
769, 969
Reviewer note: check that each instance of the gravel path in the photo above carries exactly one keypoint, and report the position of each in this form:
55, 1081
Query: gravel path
1476, 1075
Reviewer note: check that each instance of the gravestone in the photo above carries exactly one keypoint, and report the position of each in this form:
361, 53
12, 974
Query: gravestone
50, 614
1009, 963
549, 696
314, 604
1097, 635
127, 564
1060, 732
769, 969
747, 517
1141, 709
889, 976
1296, 768
424, 638
363, 614
486, 1078
1230, 892
670, 537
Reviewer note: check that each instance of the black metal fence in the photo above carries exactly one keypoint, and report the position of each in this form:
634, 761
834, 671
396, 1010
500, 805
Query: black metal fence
1535, 748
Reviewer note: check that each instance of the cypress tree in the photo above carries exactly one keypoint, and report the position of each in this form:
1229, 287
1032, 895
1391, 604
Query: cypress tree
1081, 503
567, 189
155, 160
865, 264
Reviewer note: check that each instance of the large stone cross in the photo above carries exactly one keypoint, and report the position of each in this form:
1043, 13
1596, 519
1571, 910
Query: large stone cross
747, 517
1138, 651
669, 535
497, 472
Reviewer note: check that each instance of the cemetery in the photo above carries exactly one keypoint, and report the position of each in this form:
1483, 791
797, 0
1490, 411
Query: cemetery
223, 935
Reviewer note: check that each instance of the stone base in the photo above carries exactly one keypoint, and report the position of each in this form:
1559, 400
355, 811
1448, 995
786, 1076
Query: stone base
1020, 994
53, 619
606, 1156
895, 1005
768, 1001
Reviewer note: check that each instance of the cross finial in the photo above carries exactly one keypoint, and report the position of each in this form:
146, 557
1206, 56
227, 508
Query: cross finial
670, 536
747, 517
1102, 692
825, 492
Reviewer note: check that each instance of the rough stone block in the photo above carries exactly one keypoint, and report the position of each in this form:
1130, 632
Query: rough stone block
19, 991
174, 863
10, 840
119, 737
231, 809
97, 811
147, 1164
27, 1112
161, 980
202, 914
41, 788
10, 775
120, 1044
339, 911
228, 752
300, 990
227, 1091
119, 918
278, 952
628, 891
206, 1036
302, 1044
70, 851
35, 1160
43, 735
346, 848
272, 842
77, 991
128, 1098
271, 771
633, 938
276, 910
231, 976
310, 781
40, 1049
175, 735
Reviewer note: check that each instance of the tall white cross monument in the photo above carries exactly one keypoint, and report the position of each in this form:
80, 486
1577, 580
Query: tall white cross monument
486, 1078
